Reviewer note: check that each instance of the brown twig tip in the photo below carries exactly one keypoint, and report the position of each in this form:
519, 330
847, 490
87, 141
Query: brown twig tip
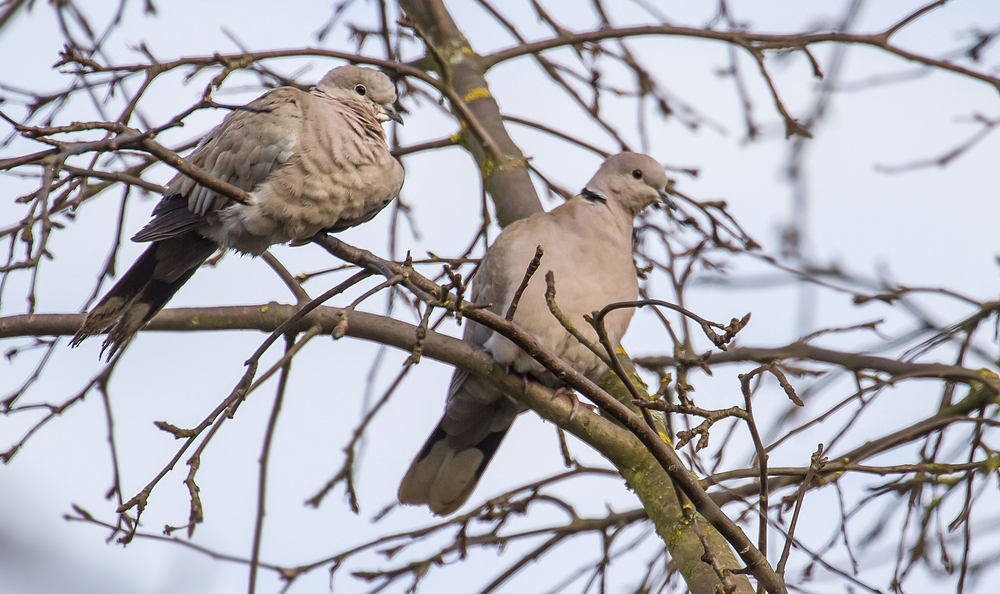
685, 436
197, 514
536, 261
69, 55
456, 283
138, 501
735, 325
785, 384
710, 418
421, 336
728, 584
887, 298
340, 329
816, 465
177, 432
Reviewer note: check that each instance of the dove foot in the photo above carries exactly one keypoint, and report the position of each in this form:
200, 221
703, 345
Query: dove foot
574, 401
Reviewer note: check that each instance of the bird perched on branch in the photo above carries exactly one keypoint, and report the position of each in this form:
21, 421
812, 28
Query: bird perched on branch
587, 244
309, 162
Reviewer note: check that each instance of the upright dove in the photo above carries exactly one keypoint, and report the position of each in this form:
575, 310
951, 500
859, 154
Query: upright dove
587, 244
310, 161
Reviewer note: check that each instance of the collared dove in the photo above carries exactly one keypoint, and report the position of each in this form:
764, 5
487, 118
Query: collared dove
587, 244
310, 161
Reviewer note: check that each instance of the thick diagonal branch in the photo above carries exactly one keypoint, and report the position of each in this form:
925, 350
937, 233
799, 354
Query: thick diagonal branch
506, 178
656, 452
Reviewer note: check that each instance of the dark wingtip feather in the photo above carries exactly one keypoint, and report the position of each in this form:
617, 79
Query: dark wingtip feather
434, 472
144, 290
171, 218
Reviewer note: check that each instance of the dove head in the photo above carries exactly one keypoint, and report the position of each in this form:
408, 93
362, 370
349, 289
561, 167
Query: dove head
369, 86
630, 180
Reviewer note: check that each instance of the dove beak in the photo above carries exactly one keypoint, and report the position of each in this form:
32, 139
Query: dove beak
392, 114
667, 201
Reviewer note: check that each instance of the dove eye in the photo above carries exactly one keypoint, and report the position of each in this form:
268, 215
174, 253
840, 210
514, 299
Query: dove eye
637, 174
360, 90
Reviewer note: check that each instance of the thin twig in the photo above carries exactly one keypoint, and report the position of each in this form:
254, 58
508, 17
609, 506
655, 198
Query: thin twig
815, 466
536, 260
265, 456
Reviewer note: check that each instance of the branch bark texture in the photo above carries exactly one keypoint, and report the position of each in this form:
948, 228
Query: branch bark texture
505, 176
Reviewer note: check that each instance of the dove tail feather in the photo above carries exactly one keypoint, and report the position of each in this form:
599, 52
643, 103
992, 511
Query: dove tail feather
443, 476
144, 289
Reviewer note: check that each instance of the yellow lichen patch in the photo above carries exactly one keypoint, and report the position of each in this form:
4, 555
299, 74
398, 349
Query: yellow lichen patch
515, 162
488, 166
458, 136
992, 380
639, 382
477, 93
459, 52
680, 527
264, 309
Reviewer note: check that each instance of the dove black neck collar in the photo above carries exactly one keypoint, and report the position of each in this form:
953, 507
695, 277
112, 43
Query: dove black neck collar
591, 196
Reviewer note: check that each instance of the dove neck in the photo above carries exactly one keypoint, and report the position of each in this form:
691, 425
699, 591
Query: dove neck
600, 199
601, 213
592, 196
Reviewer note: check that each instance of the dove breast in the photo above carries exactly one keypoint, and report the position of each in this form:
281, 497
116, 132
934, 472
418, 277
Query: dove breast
589, 250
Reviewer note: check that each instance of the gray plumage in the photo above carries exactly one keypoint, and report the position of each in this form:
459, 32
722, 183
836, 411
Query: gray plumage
311, 161
587, 243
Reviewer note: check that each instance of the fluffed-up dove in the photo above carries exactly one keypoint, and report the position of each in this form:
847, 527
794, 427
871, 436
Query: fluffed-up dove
310, 161
587, 244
